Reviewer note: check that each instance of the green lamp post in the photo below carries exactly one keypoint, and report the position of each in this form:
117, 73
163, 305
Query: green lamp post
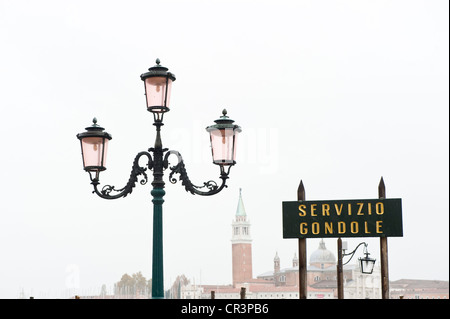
223, 135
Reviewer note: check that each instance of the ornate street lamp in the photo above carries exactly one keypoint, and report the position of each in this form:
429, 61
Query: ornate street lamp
94, 142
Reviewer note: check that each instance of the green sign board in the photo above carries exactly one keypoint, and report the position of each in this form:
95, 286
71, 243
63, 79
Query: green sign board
343, 218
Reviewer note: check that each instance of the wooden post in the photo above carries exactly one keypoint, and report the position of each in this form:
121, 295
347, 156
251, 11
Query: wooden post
383, 251
213, 294
242, 292
303, 285
340, 274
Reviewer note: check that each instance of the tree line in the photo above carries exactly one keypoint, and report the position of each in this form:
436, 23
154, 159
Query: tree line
135, 285
138, 285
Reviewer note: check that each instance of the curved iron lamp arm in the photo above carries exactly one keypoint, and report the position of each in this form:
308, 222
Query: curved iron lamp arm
180, 168
354, 251
136, 170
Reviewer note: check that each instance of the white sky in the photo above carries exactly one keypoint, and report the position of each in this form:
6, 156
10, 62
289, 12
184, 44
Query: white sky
336, 93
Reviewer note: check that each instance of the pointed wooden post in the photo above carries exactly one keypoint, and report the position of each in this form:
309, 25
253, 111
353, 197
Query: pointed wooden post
302, 252
340, 274
383, 251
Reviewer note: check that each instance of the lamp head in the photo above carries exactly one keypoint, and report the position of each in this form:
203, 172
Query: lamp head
158, 85
223, 136
94, 146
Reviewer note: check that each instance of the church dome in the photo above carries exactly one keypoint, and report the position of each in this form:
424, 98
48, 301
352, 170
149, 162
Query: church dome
322, 255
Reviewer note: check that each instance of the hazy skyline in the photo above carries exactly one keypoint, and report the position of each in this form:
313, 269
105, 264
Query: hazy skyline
334, 93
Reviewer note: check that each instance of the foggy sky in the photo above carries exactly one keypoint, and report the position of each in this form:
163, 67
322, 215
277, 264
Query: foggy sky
334, 93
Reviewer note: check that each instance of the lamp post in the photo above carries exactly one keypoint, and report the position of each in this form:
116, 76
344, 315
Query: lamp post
366, 264
94, 142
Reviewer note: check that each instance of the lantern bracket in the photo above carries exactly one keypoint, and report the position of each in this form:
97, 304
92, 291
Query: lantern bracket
136, 170
180, 168
351, 254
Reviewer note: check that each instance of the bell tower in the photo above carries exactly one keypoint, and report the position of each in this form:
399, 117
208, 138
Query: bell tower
241, 244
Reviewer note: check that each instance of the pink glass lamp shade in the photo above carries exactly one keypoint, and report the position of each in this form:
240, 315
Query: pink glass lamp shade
158, 84
223, 137
94, 146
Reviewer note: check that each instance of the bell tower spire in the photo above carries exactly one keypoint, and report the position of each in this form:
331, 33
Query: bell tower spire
240, 211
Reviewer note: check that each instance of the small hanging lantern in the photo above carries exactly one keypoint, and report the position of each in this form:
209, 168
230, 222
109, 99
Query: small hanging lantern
223, 137
367, 264
94, 146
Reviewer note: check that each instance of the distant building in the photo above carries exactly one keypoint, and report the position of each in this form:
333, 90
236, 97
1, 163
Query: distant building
322, 277
419, 289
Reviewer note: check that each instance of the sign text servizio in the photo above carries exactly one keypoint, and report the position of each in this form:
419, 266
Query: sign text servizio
343, 218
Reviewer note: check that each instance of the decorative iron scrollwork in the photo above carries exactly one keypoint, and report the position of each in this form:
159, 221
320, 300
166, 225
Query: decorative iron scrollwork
208, 188
180, 169
136, 171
